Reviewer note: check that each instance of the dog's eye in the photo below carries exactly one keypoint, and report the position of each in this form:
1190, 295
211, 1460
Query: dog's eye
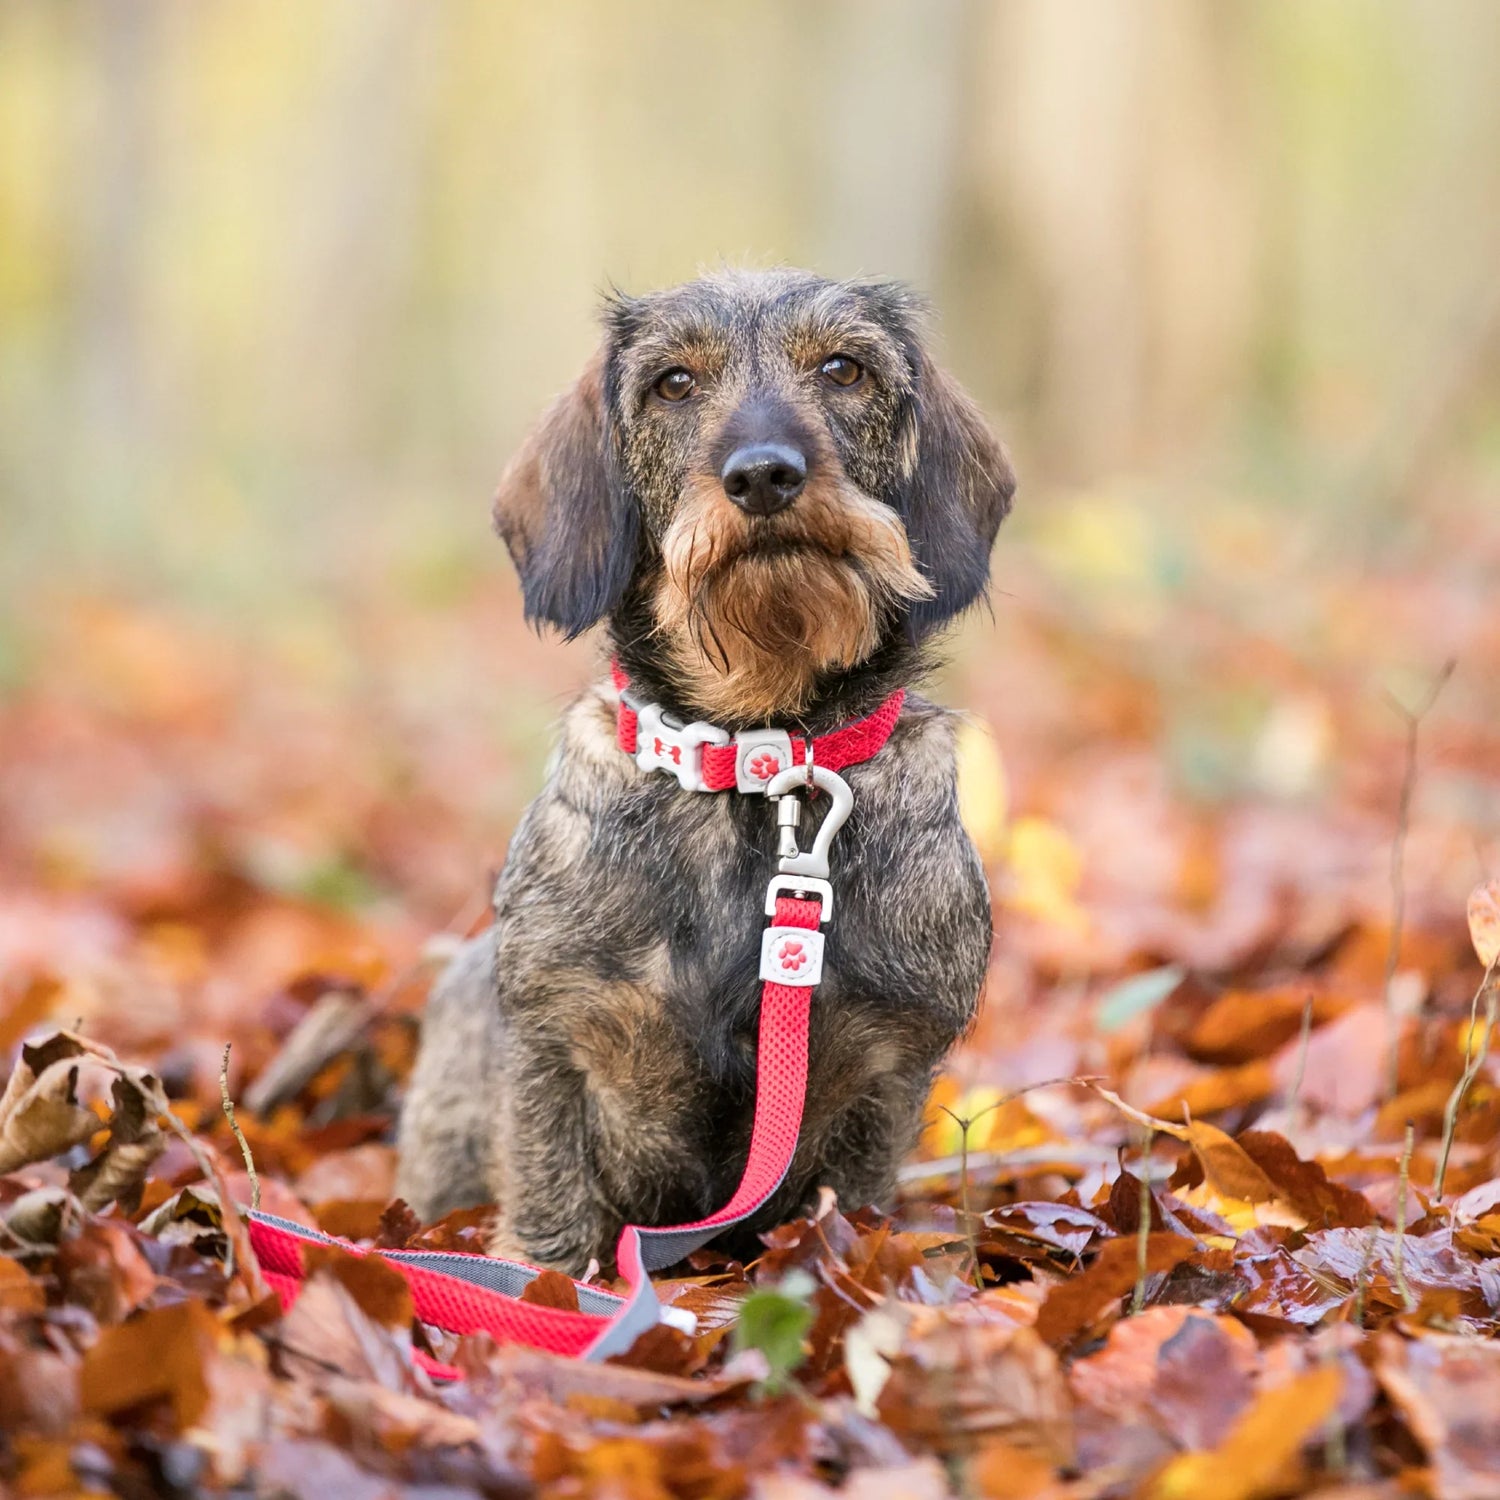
841, 370
676, 385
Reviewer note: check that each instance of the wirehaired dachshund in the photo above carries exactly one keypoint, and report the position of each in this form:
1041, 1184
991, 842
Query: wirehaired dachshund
774, 500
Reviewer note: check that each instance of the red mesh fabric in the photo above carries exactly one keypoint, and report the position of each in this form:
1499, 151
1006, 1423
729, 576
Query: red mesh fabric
854, 743
459, 1305
444, 1301
780, 1081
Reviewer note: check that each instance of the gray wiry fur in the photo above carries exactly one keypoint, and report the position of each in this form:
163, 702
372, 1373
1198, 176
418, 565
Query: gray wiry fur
590, 1061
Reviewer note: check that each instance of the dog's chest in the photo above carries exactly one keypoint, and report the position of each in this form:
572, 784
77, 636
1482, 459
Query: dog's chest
665, 891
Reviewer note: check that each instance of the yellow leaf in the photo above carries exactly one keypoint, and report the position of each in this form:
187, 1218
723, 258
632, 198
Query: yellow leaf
1045, 871
983, 793
1484, 921
996, 1123
1254, 1458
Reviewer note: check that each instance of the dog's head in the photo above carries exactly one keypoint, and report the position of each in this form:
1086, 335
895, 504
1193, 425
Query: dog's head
773, 466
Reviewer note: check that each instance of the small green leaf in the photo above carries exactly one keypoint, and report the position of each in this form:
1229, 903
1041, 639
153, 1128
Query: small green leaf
775, 1320
1135, 996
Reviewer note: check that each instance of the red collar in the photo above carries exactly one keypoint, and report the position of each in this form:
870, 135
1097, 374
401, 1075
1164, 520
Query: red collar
705, 758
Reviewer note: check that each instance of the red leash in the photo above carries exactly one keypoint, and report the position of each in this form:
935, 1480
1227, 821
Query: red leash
481, 1294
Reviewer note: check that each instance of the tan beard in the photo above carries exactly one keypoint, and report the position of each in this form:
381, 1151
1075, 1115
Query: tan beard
753, 630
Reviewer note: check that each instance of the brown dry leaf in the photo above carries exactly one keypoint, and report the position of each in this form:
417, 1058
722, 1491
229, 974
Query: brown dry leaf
1448, 1392
345, 1219
160, 1356
1190, 1372
1484, 921
19, 1292
1304, 1185
393, 1422
1244, 1026
1225, 1088
1258, 1455
551, 1289
135, 1142
379, 1290
560, 1378
1074, 1305
1001, 1471
38, 1388
1227, 1168
328, 1331
959, 1384
41, 1114
362, 1173
103, 1268
55, 1100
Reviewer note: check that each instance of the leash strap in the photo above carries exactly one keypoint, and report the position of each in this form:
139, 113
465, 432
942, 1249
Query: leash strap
464, 1293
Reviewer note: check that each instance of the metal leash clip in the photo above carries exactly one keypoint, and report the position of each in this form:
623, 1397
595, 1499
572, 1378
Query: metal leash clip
805, 872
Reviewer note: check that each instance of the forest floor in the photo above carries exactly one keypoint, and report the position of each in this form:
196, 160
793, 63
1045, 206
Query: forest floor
1233, 804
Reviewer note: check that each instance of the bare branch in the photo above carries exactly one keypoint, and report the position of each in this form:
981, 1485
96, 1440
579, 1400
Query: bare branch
239, 1134
1413, 718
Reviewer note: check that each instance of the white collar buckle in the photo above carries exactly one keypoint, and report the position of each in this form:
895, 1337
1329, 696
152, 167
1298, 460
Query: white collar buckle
664, 743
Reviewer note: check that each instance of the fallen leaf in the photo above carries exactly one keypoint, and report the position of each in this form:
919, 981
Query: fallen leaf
1448, 1392
1076, 1303
1260, 1451
163, 1355
1484, 922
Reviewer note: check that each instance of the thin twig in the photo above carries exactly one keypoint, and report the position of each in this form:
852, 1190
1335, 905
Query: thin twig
1362, 1280
240, 1254
1304, 1038
965, 1123
239, 1134
1335, 1437
1143, 1229
1489, 992
1413, 718
1398, 1266
971, 1236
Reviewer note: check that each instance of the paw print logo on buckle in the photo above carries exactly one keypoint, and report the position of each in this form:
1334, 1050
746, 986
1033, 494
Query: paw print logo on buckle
791, 955
759, 754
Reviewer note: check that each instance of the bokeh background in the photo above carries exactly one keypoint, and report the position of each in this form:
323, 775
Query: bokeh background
282, 285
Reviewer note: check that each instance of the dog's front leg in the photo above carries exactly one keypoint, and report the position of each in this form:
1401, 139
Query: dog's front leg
599, 1126
551, 1209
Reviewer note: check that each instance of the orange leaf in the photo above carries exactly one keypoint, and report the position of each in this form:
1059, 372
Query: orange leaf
161, 1356
1253, 1460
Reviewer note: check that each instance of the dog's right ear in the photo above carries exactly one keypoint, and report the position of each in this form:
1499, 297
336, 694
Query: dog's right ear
571, 528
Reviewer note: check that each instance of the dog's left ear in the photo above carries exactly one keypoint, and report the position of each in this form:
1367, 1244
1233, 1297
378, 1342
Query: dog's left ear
958, 492
565, 515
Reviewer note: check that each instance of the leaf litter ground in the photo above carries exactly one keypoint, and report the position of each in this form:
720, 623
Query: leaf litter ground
1208, 1205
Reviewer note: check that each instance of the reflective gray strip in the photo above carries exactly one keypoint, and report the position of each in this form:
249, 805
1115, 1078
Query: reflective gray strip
507, 1277
640, 1312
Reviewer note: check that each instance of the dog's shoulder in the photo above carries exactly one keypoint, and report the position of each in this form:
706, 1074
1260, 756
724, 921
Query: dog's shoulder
918, 766
588, 761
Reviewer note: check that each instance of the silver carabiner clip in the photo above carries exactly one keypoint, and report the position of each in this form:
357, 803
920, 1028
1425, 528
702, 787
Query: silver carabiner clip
799, 870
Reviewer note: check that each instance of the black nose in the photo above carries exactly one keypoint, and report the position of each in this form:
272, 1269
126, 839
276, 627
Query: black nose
764, 477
